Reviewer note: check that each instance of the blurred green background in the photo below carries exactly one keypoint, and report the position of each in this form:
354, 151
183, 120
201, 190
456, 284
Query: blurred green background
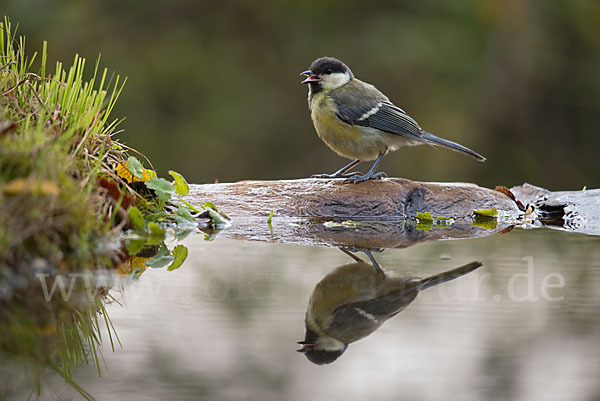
213, 88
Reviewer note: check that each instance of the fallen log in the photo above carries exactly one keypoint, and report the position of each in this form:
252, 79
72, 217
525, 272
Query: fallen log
335, 198
389, 213
374, 214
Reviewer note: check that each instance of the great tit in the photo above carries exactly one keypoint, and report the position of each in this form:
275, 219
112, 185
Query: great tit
359, 122
354, 300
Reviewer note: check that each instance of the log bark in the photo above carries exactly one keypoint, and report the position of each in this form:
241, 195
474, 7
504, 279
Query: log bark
374, 214
334, 198
382, 213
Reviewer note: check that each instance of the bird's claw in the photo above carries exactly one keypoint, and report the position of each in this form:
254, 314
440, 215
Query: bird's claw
335, 175
359, 249
366, 177
367, 251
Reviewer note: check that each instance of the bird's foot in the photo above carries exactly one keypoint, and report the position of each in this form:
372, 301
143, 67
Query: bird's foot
337, 175
367, 251
367, 177
359, 249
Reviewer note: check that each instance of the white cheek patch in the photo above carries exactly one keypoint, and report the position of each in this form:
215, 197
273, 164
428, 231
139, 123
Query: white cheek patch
335, 80
331, 344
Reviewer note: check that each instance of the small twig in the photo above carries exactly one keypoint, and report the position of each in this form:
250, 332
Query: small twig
26, 79
36, 95
2, 67
60, 83
14, 87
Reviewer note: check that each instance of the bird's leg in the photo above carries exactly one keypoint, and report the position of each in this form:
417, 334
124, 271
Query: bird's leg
341, 173
373, 261
348, 251
370, 175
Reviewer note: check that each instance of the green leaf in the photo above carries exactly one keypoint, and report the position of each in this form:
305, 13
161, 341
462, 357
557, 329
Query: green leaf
161, 259
269, 221
210, 205
156, 230
162, 188
135, 246
136, 217
486, 222
190, 206
180, 184
486, 212
216, 218
183, 216
136, 273
180, 253
135, 167
181, 234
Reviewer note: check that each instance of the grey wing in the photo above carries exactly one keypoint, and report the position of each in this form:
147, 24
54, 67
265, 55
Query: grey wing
350, 323
374, 109
359, 319
390, 118
384, 307
350, 108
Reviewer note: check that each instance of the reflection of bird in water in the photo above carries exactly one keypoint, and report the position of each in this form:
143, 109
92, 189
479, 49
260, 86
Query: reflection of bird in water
354, 300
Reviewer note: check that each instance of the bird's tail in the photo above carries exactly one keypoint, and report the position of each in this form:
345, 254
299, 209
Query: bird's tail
449, 275
436, 140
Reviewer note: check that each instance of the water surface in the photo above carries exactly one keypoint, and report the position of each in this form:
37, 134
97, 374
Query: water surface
224, 326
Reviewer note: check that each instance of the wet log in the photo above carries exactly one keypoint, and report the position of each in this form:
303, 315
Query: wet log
375, 214
335, 198
383, 213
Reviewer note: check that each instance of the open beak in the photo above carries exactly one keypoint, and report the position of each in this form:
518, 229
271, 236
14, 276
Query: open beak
310, 77
305, 346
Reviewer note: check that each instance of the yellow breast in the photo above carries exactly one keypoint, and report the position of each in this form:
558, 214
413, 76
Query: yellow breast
346, 140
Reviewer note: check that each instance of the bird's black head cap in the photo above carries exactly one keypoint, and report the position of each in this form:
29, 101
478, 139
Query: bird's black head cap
323, 357
315, 355
329, 65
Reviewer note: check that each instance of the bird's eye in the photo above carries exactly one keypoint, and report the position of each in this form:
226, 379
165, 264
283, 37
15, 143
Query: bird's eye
328, 71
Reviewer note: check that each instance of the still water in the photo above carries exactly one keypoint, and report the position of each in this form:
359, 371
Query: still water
225, 326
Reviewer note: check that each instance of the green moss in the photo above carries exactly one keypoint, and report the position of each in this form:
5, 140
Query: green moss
486, 212
485, 222
68, 192
424, 216
425, 225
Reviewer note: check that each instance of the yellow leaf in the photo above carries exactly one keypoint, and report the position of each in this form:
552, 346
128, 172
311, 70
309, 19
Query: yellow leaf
132, 264
123, 172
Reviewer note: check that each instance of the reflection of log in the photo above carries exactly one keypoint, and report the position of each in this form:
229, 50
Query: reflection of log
391, 197
363, 234
377, 209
